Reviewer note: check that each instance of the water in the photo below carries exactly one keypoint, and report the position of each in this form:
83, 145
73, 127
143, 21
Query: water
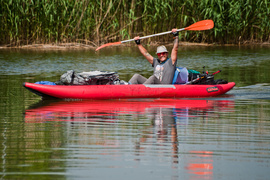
225, 137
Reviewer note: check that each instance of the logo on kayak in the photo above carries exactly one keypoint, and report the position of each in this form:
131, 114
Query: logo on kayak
212, 89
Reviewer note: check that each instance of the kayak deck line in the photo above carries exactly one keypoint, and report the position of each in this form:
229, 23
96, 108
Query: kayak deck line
159, 86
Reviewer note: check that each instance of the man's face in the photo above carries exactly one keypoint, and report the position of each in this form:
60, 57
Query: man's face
162, 56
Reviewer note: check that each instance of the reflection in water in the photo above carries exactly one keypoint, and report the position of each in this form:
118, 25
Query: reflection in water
201, 164
105, 128
163, 125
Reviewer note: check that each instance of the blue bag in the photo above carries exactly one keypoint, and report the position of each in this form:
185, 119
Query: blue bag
45, 83
180, 75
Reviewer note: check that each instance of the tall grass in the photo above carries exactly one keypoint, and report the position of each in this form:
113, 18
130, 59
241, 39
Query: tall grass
95, 22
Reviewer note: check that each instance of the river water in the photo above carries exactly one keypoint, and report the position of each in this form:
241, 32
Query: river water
225, 137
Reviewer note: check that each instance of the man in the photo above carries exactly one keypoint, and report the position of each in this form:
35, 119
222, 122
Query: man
164, 67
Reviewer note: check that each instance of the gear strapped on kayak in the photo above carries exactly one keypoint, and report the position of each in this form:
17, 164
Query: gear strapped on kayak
89, 78
182, 76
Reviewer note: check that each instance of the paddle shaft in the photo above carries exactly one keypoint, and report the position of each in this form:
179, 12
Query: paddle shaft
198, 26
153, 35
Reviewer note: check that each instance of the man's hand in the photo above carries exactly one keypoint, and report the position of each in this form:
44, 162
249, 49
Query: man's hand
175, 32
137, 40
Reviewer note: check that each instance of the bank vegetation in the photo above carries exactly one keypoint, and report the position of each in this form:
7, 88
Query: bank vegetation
95, 22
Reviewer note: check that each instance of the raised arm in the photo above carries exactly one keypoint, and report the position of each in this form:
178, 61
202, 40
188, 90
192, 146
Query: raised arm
175, 46
143, 50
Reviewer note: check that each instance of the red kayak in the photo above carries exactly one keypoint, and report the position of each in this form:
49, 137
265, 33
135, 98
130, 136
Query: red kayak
128, 91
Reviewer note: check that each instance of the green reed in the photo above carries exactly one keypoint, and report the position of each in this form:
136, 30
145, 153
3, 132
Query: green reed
94, 22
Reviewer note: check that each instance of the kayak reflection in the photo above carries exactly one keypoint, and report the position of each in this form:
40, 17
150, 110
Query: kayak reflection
152, 125
98, 111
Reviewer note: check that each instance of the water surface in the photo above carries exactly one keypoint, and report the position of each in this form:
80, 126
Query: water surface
225, 137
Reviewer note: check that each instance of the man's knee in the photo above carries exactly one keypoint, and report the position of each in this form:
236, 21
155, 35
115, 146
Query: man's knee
136, 75
151, 80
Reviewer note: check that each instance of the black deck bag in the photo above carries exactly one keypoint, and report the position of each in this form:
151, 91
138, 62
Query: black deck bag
221, 81
193, 74
208, 79
88, 78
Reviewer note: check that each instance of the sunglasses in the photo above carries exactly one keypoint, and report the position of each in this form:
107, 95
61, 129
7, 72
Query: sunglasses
161, 54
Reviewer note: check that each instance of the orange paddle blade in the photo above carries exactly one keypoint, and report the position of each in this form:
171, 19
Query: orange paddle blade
201, 25
108, 44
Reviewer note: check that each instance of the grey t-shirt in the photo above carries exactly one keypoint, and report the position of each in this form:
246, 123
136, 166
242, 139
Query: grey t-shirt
164, 71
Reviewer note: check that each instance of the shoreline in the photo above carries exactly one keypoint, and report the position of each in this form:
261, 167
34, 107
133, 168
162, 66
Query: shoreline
80, 46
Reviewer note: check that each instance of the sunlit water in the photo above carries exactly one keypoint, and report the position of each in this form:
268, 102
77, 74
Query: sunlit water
225, 137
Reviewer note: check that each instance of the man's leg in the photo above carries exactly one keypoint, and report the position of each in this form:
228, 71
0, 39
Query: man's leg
152, 80
137, 79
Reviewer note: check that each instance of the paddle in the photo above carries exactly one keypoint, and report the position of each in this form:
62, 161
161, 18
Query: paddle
198, 26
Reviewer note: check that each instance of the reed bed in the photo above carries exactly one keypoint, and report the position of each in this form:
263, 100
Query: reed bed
94, 22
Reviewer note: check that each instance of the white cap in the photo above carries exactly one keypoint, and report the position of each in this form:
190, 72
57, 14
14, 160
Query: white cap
161, 49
